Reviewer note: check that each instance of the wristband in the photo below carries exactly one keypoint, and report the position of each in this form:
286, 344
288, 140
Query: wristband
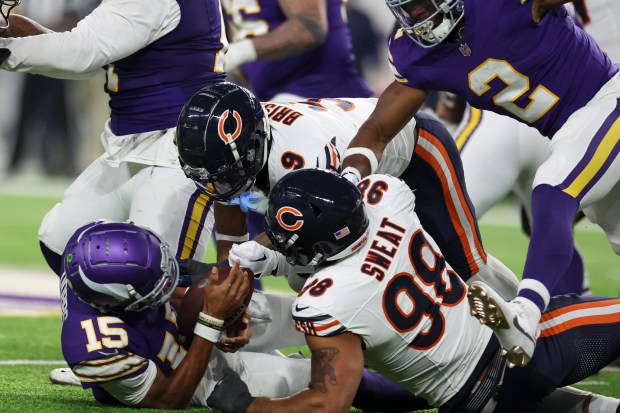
209, 321
354, 174
208, 333
232, 238
369, 154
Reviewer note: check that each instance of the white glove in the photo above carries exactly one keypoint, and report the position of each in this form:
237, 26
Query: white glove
259, 259
239, 53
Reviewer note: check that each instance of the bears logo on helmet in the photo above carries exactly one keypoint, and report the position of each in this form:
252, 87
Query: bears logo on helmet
229, 137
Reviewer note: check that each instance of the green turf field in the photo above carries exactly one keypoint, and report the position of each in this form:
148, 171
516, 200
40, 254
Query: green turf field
25, 387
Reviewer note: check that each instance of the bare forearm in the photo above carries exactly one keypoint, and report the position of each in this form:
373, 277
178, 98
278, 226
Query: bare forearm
306, 401
305, 28
395, 107
177, 391
297, 35
21, 26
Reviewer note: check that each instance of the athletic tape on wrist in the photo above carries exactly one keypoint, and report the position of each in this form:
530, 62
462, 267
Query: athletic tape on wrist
232, 238
208, 333
368, 153
209, 321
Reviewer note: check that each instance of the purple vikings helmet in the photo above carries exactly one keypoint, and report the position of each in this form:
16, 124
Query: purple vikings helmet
116, 267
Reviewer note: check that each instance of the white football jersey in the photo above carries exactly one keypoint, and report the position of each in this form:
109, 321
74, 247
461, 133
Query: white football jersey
398, 294
315, 133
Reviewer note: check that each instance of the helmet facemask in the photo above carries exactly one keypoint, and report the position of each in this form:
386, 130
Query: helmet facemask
6, 6
432, 30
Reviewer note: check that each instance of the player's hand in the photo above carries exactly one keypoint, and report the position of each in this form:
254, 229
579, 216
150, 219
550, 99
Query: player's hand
541, 7
247, 201
261, 260
221, 301
238, 333
231, 394
4, 54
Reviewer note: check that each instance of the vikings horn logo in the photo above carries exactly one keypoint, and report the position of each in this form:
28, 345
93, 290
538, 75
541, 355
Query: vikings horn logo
290, 210
229, 137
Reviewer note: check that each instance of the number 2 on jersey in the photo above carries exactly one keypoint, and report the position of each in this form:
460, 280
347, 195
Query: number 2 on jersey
517, 84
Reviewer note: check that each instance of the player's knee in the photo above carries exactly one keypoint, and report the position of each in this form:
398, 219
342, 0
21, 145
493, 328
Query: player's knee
614, 241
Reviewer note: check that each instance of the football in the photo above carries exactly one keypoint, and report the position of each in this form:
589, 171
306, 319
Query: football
192, 303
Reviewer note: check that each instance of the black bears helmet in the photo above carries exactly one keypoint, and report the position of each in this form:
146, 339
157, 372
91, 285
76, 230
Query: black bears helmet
221, 136
315, 216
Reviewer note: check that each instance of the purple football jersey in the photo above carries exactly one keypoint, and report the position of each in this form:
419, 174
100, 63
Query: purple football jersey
537, 73
324, 72
151, 86
109, 342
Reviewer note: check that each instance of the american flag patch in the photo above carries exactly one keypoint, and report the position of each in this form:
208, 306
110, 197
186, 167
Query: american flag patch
342, 233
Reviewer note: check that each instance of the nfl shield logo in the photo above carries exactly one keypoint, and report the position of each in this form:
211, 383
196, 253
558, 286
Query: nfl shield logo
342, 233
465, 50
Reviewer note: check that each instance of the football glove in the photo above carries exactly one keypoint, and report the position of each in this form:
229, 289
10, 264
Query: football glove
239, 53
261, 260
231, 394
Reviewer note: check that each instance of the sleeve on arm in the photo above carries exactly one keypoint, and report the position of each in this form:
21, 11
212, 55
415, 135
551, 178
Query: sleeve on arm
132, 390
114, 30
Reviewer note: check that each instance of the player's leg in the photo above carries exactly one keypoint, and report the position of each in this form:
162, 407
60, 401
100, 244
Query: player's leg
93, 195
165, 201
571, 328
581, 170
272, 323
489, 148
436, 175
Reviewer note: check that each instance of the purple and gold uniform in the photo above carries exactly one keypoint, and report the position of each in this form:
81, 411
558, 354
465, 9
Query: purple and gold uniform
327, 71
148, 88
102, 347
493, 70
154, 59
566, 88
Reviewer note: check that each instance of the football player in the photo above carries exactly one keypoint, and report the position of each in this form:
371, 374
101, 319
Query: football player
119, 332
153, 58
293, 49
406, 314
565, 87
120, 336
510, 152
229, 142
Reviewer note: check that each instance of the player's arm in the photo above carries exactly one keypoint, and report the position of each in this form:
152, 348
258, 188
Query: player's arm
176, 390
113, 30
305, 28
22, 26
232, 228
337, 365
396, 106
